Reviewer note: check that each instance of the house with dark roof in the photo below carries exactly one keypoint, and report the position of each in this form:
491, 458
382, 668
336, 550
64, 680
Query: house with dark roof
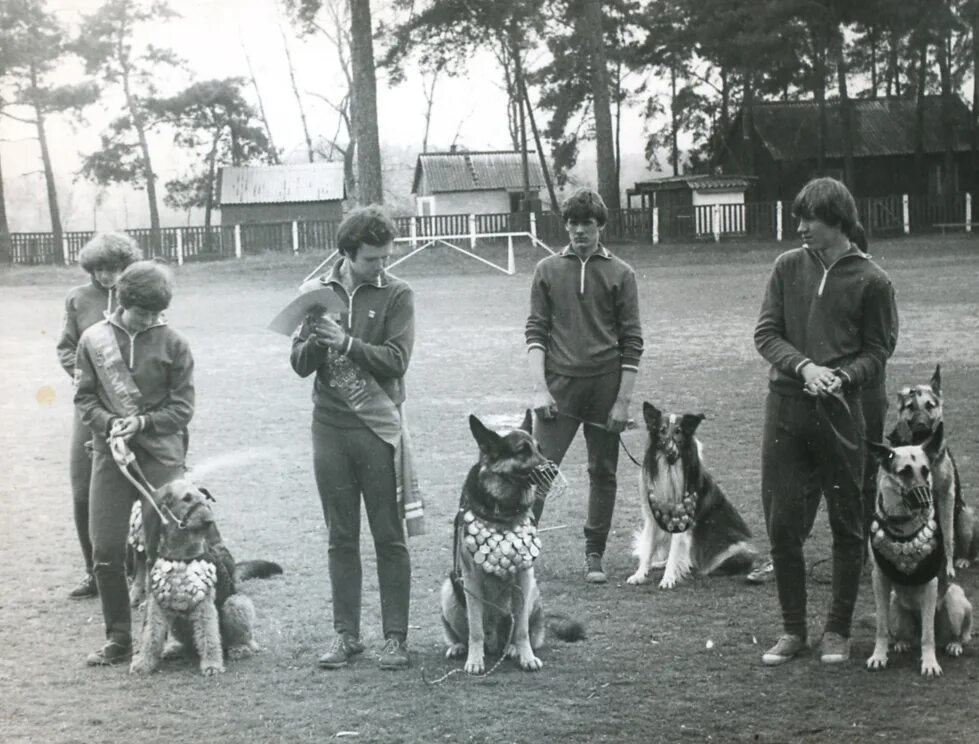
303, 192
460, 182
783, 141
685, 202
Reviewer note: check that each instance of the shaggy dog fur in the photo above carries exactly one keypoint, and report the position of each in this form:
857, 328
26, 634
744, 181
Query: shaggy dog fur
217, 619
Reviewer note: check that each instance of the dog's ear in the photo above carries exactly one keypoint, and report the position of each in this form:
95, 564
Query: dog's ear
936, 380
690, 422
900, 435
883, 453
528, 422
652, 415
207, 494
487, 439
935, 444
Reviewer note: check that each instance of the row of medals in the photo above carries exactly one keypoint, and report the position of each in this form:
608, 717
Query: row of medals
678, 517
905, 554
501, 552
180, 585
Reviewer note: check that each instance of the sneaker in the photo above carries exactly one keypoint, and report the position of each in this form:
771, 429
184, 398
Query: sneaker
834, 648
110, 654
86, 588
594, 573
761, 573
343, 648
394, 655
787, 647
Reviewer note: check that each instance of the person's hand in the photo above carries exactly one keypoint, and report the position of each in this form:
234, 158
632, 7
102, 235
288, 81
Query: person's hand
327, 332
618, 417
125, 428
820, 380
543, 404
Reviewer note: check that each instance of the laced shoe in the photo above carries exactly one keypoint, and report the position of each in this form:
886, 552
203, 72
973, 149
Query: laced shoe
112, 653
787, 647
341, 650
594, 573
86, 588
394, 655
834, 648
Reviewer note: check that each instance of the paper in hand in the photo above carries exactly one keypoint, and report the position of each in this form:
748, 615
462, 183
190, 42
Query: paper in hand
320, 299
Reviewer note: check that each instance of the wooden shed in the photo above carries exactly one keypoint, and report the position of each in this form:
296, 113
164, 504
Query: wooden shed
305, 192
690, 198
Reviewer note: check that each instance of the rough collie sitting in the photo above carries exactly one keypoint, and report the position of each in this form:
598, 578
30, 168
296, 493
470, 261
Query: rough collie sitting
689, 525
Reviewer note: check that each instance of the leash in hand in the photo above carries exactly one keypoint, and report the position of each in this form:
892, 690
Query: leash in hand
629, 426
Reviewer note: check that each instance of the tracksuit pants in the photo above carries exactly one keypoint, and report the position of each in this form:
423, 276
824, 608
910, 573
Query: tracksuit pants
80, 476
798, 448
588, 399
350, 464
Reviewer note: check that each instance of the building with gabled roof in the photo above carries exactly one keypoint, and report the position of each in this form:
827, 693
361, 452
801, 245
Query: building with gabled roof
461, 182
783, 138
282, 193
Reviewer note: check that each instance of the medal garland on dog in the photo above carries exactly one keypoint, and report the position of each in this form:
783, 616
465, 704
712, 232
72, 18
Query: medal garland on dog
675, 518
501, 551
907, 553
180, 586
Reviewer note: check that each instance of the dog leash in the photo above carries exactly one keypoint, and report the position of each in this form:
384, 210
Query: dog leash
630, 424
127, 463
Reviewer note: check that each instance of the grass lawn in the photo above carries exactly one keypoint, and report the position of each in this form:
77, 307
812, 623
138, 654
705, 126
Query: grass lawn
645, 673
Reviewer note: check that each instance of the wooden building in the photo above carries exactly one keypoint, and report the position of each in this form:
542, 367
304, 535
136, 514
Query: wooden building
305, 192
460, 182
690, 198
782, 147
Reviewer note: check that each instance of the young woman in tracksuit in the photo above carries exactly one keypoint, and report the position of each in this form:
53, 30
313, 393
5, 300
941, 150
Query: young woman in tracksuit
158, 363
584, 341
104, 257
827, 327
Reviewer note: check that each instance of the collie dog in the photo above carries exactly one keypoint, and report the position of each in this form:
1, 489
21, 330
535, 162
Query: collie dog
689, 525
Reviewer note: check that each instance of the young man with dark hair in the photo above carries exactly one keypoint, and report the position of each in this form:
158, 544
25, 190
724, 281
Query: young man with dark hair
584, 341
104, 257
359, 441
826, 326
135, 382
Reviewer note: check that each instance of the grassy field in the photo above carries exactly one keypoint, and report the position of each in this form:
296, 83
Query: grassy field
646, 672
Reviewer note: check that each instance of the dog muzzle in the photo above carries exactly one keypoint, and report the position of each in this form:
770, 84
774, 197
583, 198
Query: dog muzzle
917, 498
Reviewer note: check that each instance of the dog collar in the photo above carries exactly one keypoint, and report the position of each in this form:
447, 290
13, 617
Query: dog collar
500, 551
906, 554
180, 586
677, 517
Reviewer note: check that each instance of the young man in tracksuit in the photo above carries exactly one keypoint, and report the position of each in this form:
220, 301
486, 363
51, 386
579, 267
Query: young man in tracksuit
584, 341
351, 460
826, 326
104, 257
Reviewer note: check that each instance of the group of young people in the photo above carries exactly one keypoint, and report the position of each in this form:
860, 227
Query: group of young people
827, 327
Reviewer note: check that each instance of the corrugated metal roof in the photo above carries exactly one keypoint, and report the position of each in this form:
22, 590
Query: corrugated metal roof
698, 183
881, 126
475, 171
278, 184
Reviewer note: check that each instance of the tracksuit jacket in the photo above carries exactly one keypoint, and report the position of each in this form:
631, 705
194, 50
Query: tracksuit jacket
584, 314
85, 306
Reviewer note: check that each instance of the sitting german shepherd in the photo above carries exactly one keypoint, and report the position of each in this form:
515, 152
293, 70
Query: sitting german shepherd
919, 414
192, 587
911, 592
688, 523
491, 602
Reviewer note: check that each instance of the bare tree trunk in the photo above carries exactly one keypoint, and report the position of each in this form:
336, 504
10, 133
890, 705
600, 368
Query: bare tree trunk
521, 86
846, 118
974, 142
261, 106
365, 94
674, 124
920, 166
819, 57
429, 93
874, 43
608, 185
540, 149
211, 168
139, 124
948, 117
747, 106
299, 99
6, 246
42, 138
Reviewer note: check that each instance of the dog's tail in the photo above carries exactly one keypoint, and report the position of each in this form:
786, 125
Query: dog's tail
563, 627
257, 569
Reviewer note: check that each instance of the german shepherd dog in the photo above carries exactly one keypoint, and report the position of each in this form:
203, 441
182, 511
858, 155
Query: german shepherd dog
688, 523
192, 592
912, 595
492, 593
919, 414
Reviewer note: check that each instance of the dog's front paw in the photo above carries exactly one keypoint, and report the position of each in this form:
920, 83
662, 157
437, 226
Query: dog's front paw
455, 651
902, 647
669, 581
639, 577
243, 651
474, 665
930, 667
209, 669
949, 570
954, 649
962, 563
141, 664
877, 662
531, 663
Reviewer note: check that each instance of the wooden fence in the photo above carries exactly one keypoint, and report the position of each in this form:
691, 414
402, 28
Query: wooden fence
888, 215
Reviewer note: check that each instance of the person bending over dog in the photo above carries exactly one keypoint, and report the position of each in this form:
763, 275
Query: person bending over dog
135, 381
826, 325
359, 439
584, 341
104, 257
